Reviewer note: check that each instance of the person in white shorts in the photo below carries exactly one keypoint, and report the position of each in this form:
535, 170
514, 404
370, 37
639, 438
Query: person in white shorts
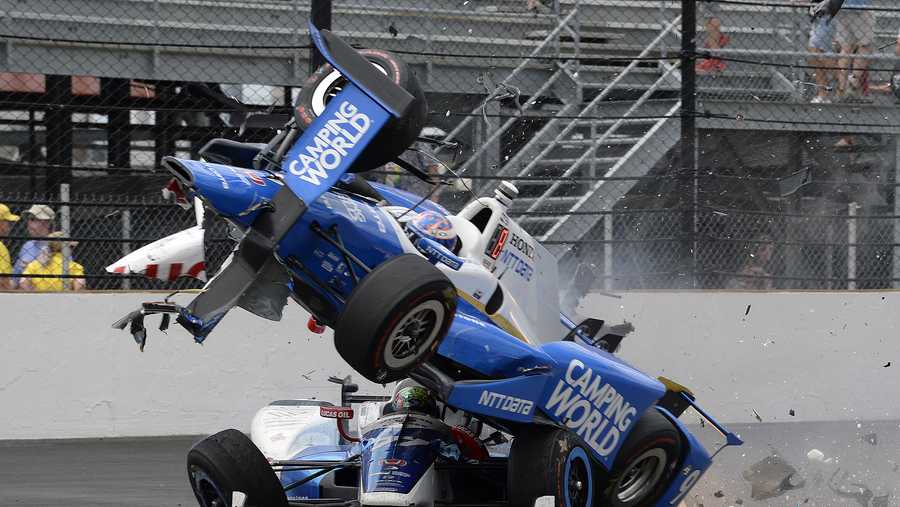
855, 34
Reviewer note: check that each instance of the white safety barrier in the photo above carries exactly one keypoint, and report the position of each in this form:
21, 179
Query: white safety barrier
65, 373
822, 355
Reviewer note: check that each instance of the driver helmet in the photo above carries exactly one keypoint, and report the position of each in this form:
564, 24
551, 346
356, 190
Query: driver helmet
436, 227
414, 398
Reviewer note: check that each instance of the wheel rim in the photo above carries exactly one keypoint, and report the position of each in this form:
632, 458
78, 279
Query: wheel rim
208, 493
329, 87
578, 479
414, 333
641, 477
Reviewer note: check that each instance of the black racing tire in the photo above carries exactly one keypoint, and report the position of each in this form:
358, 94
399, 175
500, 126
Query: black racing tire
395, 319
227, 462
644, 465
397, 135
550, 462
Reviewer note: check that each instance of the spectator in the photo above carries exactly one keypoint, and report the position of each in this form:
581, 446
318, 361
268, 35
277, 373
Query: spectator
51, 261
821, 40
892, 85
755, 274
535, 6
715, 39
855, 34
40, 223
6, 221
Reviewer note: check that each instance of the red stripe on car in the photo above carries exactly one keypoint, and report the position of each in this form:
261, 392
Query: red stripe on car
174, 271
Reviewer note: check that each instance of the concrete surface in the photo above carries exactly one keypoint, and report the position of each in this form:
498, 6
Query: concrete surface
65, 373
820, 354
150, 472
81, 473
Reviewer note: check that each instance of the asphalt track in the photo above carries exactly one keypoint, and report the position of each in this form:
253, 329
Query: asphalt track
150, 472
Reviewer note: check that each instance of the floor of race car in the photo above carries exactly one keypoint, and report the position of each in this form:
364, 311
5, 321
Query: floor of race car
856, 458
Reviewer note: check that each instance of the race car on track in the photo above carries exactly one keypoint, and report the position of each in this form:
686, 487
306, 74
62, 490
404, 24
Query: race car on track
460, 309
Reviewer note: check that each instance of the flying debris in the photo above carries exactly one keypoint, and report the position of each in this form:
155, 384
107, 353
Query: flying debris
816, 455
772, 477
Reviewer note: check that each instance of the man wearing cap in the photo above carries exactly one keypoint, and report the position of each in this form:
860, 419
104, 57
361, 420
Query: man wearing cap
40, 223
7, 219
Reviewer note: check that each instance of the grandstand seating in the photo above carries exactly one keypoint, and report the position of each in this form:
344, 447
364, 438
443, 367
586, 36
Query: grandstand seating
608, 29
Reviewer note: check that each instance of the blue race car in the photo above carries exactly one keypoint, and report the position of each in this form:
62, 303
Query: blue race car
460, 307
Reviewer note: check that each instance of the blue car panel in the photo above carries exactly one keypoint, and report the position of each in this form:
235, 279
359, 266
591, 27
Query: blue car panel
397, 452
596, 397
311, 489
475, 342
510, 399
696, 461
232, 192
327, 149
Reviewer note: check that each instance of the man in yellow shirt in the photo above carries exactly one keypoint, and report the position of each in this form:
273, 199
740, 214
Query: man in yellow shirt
7, 219
51, 262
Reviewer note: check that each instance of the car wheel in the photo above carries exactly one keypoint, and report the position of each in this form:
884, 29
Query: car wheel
645, 463
550, 462
395, 318
226, 462
324, 84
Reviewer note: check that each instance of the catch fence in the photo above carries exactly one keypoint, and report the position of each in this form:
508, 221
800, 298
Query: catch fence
730, 144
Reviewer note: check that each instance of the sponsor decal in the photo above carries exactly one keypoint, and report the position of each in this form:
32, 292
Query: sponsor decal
518, 264
591, 407
396, 462
255, 178
353, 209
497, 242
331, 144
435, 253
506, 403
217, 174
521, 244
336, 412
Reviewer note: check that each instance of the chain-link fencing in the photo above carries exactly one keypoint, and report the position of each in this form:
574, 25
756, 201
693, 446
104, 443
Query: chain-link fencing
758, 154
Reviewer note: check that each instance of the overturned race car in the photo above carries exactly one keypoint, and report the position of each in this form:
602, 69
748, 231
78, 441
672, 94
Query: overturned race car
453, 307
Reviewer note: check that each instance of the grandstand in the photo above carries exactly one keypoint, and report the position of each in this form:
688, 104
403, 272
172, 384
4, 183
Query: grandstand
579, 104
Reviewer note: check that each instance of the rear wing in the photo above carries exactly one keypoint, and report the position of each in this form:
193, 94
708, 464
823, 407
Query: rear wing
359, 112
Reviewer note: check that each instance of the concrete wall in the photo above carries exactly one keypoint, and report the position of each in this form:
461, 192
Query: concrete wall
65, 373
820, 354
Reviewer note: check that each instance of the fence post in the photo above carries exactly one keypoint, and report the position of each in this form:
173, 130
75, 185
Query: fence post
126, 246
688, 170
320, 14
59, 136
896, 260
608, 252
65, 226
851, 245
115, 93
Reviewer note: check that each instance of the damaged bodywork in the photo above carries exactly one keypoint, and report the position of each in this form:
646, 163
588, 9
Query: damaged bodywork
472, 317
